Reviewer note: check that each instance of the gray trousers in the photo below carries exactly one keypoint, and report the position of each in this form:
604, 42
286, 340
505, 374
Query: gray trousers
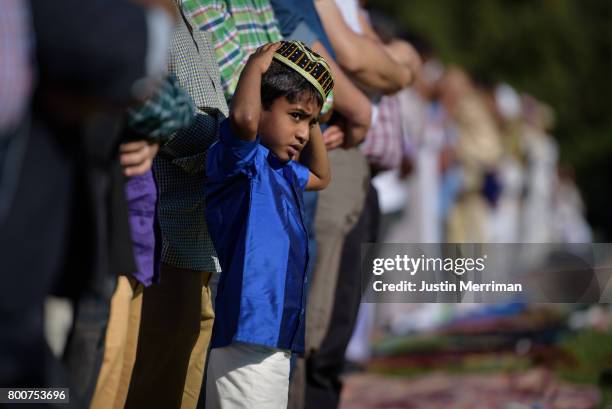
338, 210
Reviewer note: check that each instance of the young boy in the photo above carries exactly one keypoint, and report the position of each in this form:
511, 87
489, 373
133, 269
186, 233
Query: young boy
254, 212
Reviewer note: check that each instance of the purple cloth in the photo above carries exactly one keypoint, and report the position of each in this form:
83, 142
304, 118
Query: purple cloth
141, 196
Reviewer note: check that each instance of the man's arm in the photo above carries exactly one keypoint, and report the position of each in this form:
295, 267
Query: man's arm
314, 157
162, 115
245, 110
348, 101
401, 51
361, 56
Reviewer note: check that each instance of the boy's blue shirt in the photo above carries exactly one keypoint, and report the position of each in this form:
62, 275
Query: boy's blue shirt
254, 211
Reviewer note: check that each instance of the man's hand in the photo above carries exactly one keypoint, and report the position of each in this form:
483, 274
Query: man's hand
262, 57
137, 157
404, 53
333, 137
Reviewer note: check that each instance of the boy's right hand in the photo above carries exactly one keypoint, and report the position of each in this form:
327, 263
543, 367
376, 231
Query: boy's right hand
244, 114
262, 57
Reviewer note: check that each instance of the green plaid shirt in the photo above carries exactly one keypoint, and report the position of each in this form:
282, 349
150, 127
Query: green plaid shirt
238, 27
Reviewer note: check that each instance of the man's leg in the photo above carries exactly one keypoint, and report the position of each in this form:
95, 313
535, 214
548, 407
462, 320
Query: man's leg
32, 244
197, 361
84, 351
116, 345
172, 326
324, 367
338, 210
131, 345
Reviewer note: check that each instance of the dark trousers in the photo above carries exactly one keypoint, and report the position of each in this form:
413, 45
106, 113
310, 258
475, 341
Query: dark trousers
324, 367
32, 245
85, 345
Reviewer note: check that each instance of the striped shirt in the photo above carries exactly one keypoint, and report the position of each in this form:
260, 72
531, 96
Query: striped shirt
383, 142
396, 130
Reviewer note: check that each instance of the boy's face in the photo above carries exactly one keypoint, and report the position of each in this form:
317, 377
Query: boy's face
285, 127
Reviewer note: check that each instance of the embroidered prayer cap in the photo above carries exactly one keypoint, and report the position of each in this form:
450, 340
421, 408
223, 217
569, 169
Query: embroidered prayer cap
309, 64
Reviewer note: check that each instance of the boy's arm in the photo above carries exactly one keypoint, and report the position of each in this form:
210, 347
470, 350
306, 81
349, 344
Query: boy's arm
246, 107
314, 157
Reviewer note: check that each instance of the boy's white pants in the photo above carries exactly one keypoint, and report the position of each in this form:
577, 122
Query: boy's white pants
247, 376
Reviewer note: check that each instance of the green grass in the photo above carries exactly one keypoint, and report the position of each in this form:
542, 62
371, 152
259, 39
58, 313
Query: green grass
592, 354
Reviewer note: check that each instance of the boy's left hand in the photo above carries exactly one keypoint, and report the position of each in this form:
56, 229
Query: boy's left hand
262, 57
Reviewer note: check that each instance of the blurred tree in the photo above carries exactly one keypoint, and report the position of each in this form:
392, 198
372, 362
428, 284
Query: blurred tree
560, 51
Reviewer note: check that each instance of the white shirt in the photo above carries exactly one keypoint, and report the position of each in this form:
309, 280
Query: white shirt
350, 12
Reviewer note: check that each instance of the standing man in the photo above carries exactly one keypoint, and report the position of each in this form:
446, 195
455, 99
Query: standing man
67, 218
177, 314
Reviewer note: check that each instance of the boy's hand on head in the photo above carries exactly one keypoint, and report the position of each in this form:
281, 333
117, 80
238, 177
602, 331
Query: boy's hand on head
262, 57
333, 137
245, 112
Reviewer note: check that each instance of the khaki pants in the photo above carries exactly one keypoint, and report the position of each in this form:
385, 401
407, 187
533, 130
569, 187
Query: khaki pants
338, 210
467, 221
119, 346
175, 331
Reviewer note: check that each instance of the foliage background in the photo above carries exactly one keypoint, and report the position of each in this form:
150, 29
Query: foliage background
558, 50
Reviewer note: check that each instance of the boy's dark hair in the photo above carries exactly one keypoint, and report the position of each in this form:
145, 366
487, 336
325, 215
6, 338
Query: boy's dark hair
283, 81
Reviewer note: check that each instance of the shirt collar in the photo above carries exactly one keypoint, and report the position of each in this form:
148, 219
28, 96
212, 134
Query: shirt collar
272, 159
